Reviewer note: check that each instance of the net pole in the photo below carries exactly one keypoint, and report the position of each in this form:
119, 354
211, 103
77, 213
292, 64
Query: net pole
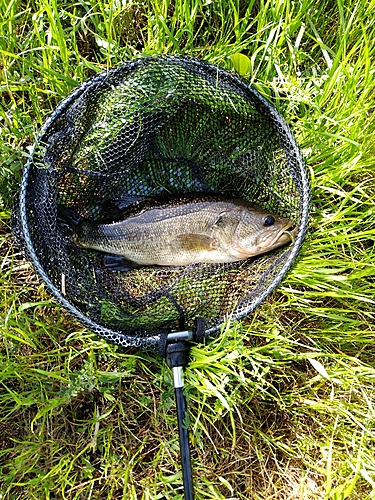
176, 360
183, 433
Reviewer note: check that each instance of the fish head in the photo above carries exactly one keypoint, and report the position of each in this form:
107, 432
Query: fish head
259, 231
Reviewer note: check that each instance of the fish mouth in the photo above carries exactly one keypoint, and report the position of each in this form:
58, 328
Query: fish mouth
284, 235
267, 242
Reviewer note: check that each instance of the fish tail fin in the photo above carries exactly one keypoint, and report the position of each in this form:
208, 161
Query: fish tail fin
69, 217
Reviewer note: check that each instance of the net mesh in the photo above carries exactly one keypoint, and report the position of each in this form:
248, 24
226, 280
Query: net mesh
158, 126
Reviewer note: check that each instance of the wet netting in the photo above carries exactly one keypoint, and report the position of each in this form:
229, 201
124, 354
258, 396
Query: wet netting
158, 127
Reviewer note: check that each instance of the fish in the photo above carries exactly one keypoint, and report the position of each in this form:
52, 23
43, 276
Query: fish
208, 229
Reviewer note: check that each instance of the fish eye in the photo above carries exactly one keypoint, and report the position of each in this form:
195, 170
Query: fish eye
269, 221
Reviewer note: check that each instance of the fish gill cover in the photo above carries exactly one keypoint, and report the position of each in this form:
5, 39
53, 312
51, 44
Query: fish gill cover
154, 127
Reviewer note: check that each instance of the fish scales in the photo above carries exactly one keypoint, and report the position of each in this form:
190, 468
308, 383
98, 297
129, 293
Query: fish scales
151, 232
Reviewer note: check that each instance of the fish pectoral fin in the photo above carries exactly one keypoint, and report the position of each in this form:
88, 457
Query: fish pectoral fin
191, 241
118, 263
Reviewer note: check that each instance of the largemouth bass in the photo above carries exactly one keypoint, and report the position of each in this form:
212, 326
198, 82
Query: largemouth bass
204, 230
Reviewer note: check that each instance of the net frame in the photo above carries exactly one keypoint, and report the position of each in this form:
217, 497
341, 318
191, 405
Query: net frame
268, 281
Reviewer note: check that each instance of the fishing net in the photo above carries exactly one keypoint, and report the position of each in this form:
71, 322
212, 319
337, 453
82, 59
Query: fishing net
154, 127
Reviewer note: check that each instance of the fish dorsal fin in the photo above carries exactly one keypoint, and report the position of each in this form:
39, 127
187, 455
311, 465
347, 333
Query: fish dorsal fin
195, 242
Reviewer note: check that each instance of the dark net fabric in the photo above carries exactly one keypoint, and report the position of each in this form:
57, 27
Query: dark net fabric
155, 127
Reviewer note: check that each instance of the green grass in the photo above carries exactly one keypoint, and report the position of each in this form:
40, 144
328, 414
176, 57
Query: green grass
282, 404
